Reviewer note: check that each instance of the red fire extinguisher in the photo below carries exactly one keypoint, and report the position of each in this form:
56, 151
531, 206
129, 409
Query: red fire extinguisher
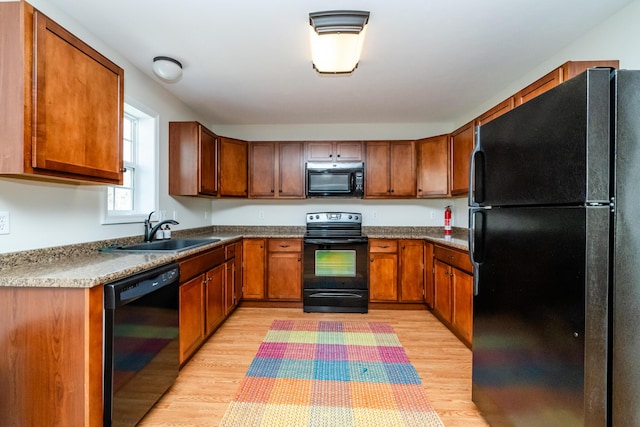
447, 221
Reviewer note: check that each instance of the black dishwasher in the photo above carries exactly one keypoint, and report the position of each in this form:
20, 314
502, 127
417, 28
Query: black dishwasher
141, 347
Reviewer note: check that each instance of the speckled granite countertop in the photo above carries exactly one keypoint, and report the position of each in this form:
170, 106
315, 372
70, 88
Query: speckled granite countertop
83, 266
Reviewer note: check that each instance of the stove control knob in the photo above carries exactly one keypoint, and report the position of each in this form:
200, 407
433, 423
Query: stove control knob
350, 216
356, 217
317, 216
311, 217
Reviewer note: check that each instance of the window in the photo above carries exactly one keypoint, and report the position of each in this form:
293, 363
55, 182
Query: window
120, 199
129, 202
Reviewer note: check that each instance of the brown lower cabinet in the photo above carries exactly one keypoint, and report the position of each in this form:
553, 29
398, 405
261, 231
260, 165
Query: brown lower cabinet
453, 291
51, 358
272, 269
396, 270
207, 295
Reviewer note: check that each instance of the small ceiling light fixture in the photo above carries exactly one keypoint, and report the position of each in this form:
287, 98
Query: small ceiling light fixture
336, 40
168, 69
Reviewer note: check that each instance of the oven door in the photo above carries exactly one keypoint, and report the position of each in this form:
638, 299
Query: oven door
336, 275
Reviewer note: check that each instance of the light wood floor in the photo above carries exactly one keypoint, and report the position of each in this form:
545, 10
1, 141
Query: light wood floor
208, 382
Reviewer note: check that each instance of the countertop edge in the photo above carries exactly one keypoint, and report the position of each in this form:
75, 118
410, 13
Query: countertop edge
83, 266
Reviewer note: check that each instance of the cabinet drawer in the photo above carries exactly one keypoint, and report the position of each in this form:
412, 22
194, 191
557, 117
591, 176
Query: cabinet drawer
383, 246
454, 258
285, 245
200, 263
229, 251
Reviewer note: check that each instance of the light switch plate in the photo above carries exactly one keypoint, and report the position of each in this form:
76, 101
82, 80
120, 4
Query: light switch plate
5, 224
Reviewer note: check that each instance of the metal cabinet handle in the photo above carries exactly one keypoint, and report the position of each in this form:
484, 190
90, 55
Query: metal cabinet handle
284, 246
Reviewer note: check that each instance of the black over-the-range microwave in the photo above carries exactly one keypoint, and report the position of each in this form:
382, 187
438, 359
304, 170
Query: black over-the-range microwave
327, 179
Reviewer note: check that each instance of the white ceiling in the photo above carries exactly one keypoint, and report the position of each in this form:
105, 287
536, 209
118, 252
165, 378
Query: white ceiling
248, 61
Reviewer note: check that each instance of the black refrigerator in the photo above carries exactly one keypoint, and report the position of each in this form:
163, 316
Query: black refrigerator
555, 241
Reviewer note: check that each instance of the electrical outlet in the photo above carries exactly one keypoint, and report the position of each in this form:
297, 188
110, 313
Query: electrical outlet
374, 215
432, 215
5, 225
175, 215
260, 214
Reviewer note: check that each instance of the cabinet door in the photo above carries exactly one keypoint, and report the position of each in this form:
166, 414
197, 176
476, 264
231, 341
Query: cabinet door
78, 107
232, 168
238, 269
383, 277
229, 286
377, 169
191, 316
284, 276
208, 176
291, 169
428, 274
253, 268
540, 86
320, 151
403, 168
462, 284
411, 270
214, 298
461, 148
262, 158
495, 112
433, 166
442, 290
348, 151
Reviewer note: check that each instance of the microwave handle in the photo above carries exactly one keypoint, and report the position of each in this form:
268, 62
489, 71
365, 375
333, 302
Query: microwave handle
353, 181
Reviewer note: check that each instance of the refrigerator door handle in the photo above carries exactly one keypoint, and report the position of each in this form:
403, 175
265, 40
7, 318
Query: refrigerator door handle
476, 243
476, 173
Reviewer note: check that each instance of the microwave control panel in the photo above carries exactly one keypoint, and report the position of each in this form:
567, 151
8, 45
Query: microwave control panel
359, 181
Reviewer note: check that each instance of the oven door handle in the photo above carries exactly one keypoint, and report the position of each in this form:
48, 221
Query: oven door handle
339, 241
334, 295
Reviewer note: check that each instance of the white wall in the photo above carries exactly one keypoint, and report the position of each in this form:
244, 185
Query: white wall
44, 215
374, 212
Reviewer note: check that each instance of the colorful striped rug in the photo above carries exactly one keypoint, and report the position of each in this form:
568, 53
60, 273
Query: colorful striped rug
323, 373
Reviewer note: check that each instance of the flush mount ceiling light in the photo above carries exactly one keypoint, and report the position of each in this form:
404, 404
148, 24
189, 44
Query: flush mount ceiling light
336, 40
168, 69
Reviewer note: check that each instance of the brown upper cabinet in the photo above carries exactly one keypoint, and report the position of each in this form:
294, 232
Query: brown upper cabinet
276, 170
390, 169
233, 160
552, 79
62, 102
495, 112
334, 151
433, 166
461, 148
192, 160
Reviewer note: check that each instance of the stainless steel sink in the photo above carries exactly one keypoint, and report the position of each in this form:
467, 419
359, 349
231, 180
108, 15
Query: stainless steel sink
174, 245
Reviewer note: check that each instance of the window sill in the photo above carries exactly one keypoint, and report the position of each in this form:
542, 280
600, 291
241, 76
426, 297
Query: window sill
124, 219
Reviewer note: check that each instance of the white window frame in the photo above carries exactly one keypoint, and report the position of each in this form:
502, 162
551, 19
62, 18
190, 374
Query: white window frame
146, 164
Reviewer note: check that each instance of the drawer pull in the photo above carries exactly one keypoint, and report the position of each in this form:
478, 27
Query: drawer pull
284, 246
